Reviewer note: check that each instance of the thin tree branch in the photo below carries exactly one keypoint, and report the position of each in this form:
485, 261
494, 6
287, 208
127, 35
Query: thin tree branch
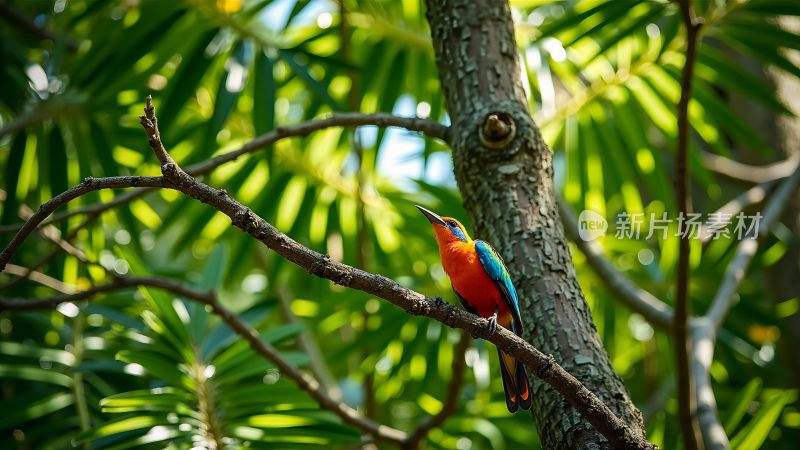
54, 252
118, 283
53, 234
639, 300
39, 277
94, 209
24, 119
427, 127
304, 381
687, 414
88, 185
703, 339
24, 23
416, 437
747, 173
734, 274
752, 196
658, 313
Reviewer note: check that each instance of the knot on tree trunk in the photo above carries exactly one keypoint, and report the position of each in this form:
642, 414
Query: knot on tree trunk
498, 130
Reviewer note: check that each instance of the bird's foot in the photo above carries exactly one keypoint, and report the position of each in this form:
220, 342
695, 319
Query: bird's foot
438, 300
492, 325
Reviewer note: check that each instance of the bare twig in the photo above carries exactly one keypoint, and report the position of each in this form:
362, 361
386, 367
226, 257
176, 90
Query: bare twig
24, 23
747, 173
54, 252
53, 234
118, 283
734, 274
703, 339
687, 414
657, 312
94, 209
39, 277
304, 381
416, 437
88, 185
427, 127
752, 196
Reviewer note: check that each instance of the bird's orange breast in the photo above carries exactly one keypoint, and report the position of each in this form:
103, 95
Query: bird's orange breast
461, 263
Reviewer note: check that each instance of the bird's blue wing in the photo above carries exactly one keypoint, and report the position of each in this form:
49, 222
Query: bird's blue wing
497, 271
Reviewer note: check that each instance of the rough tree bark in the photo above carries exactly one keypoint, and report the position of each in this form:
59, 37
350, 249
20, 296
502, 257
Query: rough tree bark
504, 171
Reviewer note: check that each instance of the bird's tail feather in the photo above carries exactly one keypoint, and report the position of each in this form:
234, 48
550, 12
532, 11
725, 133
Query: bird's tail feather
517, 389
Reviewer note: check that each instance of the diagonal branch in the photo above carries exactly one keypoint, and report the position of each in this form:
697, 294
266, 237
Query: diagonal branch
39, 277
747, 173
542, 366
703, 339
88, 185
416, 437
752, 196
53, 234
637, 299
726, 294
56, 250
29, 26
304, 381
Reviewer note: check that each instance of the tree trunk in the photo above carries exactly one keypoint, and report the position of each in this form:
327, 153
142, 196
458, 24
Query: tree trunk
504, 171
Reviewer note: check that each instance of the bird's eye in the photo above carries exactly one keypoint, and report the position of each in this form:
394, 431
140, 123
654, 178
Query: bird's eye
452, 223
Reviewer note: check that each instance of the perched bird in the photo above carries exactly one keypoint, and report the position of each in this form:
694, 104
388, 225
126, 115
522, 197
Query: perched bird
481, 282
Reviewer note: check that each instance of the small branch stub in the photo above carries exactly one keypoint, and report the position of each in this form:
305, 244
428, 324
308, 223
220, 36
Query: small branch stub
498, 130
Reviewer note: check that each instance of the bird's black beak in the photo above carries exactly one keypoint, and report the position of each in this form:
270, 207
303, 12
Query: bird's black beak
432, 216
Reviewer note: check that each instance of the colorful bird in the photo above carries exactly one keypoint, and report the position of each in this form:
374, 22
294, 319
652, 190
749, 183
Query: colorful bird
482, 284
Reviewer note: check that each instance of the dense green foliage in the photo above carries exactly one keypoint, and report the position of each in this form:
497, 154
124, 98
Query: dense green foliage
142, 369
